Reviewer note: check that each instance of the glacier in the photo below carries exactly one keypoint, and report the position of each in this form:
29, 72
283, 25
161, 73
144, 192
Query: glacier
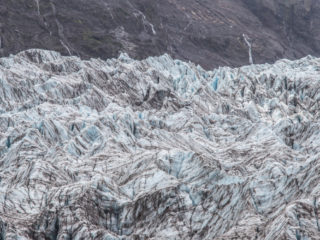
158, 149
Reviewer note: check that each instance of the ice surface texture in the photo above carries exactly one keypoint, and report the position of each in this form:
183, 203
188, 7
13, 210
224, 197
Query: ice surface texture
158, 149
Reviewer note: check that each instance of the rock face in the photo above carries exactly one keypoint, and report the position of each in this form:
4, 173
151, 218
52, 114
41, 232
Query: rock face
208, 32
158, 149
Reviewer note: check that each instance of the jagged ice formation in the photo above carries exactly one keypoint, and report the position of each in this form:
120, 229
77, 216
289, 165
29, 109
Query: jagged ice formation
158, 149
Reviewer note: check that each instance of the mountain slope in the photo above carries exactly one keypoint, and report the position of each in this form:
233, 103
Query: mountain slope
158, 149
208, 32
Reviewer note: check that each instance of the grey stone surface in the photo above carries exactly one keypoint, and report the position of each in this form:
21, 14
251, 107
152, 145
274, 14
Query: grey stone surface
207, 32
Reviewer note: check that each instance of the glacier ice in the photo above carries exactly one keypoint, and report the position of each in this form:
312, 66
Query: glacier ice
158, 149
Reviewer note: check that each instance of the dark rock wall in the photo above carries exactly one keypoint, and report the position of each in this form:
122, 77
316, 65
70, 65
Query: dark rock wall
208, 32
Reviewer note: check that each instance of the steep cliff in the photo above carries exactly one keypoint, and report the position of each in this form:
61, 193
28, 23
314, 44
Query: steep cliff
208, 32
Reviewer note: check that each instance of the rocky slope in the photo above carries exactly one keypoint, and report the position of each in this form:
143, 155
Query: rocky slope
208, 32
158, 149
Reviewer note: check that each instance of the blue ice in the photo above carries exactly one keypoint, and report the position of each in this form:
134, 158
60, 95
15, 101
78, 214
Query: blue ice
215, 83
